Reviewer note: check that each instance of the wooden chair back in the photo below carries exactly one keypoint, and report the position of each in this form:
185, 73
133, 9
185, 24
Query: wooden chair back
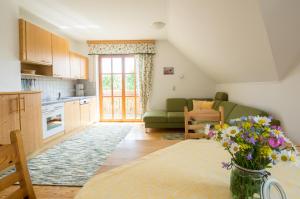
200, 116
13, 155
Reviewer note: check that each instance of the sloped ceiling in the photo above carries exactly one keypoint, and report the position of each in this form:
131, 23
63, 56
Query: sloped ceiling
227, 40
231, 41
282, 22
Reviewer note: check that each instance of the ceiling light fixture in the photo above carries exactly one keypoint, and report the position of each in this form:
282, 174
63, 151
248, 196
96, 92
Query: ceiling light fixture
158, 25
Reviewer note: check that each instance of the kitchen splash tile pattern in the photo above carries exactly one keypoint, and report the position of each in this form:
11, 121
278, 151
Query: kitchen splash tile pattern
89, 87
50, 87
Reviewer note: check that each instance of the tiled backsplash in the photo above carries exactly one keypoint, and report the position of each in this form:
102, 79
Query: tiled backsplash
89, 87
50, 87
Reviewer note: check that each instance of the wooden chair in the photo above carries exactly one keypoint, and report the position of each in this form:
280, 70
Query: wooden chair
200, 116
10, 155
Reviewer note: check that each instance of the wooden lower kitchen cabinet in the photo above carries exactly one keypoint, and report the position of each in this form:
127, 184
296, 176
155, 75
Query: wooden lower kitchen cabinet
93, 110
22, 111
84, 114
72, 116
9, 116
79, 115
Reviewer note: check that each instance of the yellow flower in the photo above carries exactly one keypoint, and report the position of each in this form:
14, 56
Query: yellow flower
246, 125
244, 147
218, 127
266, 151
293, 158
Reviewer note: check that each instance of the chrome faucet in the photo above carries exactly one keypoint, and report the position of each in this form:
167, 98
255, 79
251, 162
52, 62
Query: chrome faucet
59, 96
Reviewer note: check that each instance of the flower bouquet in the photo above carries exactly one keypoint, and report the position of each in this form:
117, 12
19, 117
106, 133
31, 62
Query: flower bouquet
254, 145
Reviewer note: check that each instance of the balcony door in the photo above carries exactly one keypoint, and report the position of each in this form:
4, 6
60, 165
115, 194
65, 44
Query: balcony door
119, 89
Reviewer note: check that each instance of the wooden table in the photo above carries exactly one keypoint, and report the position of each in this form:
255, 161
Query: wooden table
190, 169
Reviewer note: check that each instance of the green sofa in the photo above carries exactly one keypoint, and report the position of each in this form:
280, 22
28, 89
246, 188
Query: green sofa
173, 117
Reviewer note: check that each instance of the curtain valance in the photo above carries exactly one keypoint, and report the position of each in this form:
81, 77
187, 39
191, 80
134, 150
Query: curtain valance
121, 48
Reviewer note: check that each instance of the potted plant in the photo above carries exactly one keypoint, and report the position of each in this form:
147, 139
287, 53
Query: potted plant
254, 146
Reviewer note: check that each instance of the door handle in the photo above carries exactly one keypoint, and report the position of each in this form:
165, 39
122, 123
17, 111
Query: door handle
23, 108
12, 110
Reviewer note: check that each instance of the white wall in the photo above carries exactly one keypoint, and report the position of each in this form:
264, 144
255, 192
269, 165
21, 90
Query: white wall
280, 98
194, 83
10, 79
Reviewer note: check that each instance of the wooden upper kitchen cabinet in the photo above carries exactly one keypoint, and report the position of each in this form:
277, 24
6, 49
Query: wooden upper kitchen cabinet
61, 60
9, 116
35, 44
84, 68
79, 66
75, 64
31, 121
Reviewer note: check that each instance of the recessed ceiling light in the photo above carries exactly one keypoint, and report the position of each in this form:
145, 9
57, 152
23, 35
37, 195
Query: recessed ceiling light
80, 27
64, 27
158, 25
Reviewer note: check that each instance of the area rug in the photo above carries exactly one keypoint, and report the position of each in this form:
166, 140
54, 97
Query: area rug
74, 161
173, 136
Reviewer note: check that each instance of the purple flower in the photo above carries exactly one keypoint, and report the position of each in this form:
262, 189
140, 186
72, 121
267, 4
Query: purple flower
226, 165
211, 134
274, 143
252, 140
249, 156
244, 118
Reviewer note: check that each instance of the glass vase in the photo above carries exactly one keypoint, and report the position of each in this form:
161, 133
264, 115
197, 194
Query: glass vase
246, 183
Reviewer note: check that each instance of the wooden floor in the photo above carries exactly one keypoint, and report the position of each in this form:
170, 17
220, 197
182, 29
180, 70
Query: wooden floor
135, 145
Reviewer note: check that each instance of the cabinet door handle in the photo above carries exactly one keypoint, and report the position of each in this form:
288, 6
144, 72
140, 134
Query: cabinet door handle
12, 105
22, 98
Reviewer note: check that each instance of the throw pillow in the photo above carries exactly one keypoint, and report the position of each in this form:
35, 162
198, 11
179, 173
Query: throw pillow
200, 105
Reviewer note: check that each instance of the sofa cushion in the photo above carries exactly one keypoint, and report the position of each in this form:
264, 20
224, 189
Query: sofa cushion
190, 102
240, 111
175, 117
155, 117
221, 96
176, 104
228, 107
216, 104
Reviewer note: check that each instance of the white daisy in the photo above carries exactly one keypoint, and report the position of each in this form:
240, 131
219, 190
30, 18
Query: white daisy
262, 120
275, 156
207, 129
232, 131
234, 148
285, 155
225, 143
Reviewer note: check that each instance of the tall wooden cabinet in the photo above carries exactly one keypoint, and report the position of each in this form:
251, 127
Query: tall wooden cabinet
61, 59
31, 123
9, 116
35, 44
21, 111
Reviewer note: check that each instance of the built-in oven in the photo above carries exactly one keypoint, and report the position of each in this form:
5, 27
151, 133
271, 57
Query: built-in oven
53, 119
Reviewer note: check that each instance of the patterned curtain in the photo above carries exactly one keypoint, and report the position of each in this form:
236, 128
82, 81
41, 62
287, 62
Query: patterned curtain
121, 49
144, 63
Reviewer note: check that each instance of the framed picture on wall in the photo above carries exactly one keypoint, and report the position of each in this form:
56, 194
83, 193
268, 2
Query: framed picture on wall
168, 70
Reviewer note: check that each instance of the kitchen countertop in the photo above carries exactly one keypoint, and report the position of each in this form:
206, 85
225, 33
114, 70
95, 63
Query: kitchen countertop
19, 92
64, 99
